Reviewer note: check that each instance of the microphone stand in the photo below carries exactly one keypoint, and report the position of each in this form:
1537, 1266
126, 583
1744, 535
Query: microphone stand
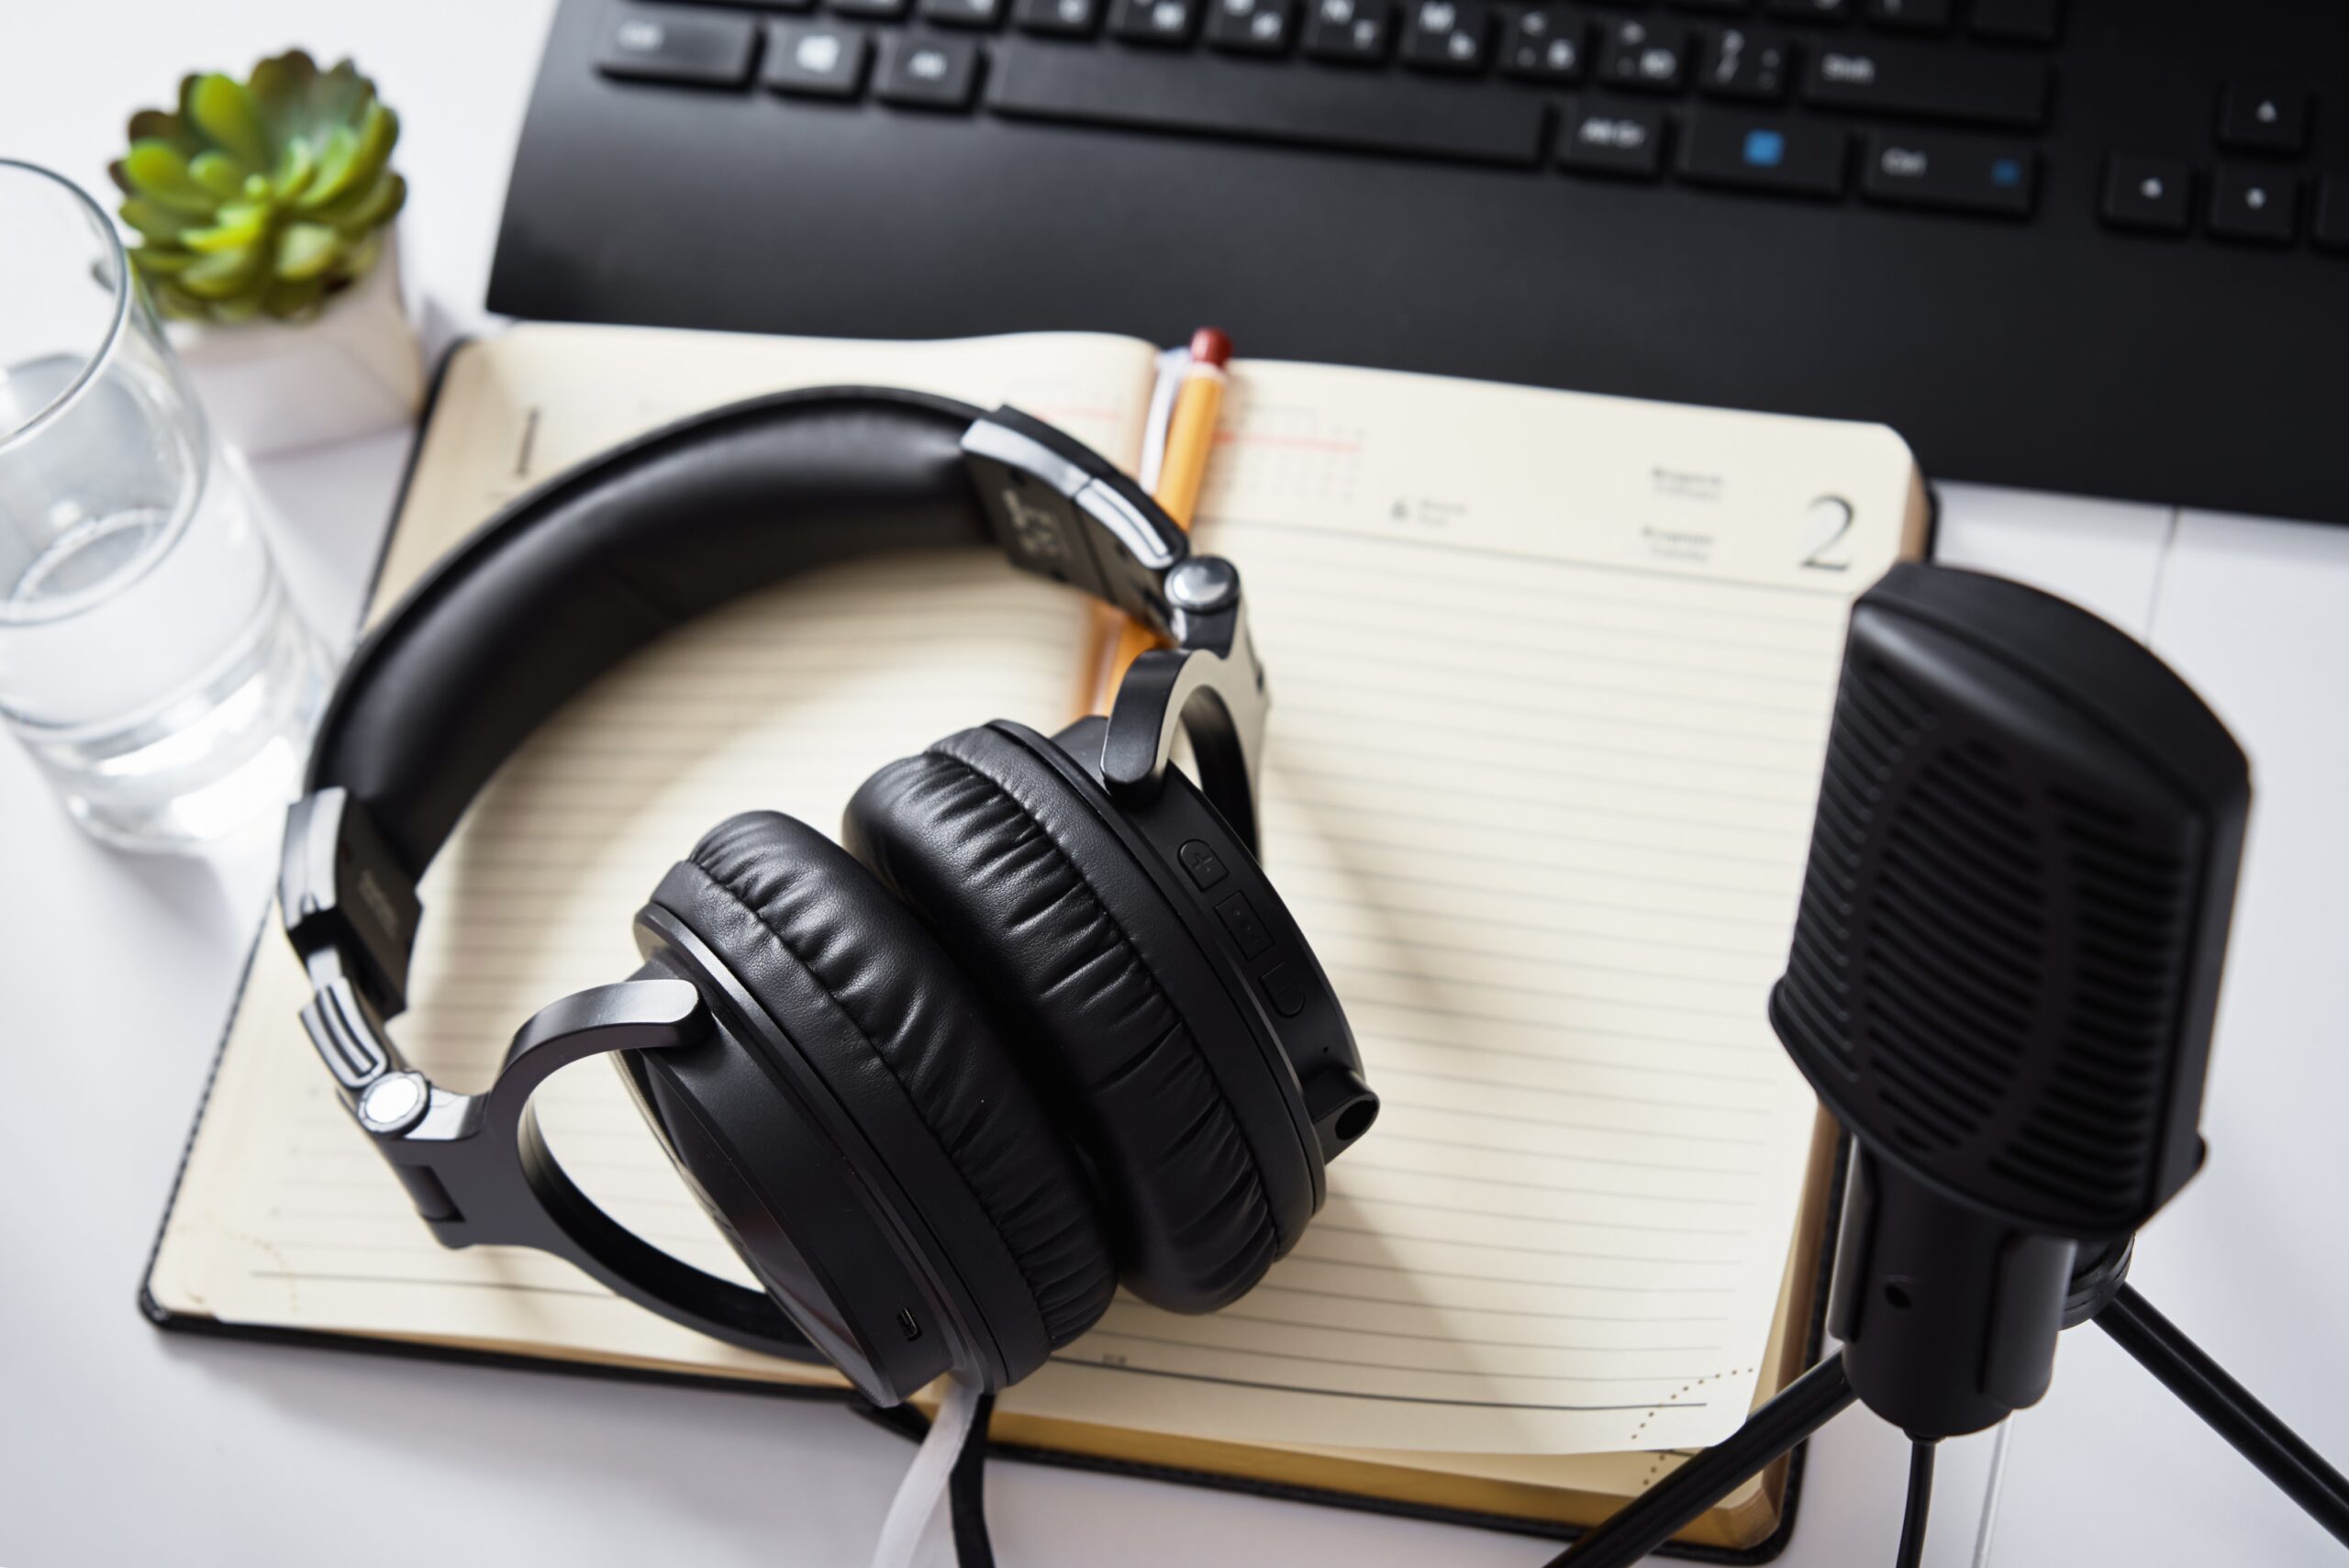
2099, 1293
2298, 1470
1640, 1526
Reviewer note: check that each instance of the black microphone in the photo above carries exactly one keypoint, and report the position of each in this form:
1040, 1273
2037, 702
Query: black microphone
2003, 975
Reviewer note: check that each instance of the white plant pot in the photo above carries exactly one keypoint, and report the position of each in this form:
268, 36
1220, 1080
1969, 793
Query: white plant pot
270, 386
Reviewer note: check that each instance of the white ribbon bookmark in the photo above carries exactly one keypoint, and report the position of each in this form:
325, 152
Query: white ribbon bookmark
924, 1488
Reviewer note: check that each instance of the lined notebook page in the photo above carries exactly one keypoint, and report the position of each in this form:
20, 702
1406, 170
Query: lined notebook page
787, 699
1552, 681
1540, 782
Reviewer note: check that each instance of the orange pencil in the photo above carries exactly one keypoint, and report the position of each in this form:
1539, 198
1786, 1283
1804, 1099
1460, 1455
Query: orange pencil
1190, 438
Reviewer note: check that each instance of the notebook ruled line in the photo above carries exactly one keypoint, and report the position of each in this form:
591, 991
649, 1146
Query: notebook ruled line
1518, 557
1573, 1091
1389, 1232
1353, 1194
1367, 1366
1064, 1359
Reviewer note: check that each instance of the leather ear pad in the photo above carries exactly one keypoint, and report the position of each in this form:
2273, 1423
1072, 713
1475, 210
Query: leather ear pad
1047, 912
781, 904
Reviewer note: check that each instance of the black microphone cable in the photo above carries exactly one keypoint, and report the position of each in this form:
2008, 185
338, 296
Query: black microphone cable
1921, 1501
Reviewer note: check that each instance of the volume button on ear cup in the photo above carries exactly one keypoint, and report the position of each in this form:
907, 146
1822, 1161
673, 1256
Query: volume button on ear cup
1077, 953
864, 996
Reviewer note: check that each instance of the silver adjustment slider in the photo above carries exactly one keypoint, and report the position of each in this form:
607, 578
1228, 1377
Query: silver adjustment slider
1060, 509
343, 890
345, 1029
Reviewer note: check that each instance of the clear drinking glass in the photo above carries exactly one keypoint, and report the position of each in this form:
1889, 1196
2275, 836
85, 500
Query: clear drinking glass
150, 658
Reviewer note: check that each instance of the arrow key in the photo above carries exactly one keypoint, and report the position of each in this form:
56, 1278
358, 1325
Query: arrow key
2263, 119
2149, 195
2254, 206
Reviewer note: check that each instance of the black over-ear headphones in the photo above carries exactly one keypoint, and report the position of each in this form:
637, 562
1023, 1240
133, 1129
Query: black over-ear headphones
1043, 1027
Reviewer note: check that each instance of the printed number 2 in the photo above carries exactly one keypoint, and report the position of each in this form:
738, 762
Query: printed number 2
1827, 535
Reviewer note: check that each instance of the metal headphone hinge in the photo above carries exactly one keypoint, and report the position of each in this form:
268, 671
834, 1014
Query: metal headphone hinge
467, 1159
1210, 686
1059, 509
343, 890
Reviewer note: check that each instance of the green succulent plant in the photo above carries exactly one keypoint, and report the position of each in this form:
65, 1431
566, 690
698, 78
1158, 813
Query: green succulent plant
260, 197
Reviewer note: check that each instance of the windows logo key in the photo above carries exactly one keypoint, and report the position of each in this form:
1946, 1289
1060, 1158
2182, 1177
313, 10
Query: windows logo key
1794, 160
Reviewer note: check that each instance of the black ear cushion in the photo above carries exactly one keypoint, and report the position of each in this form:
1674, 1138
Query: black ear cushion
771, 896
1044, 907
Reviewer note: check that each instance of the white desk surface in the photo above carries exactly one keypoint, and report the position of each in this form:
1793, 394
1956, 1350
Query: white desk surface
122, 1444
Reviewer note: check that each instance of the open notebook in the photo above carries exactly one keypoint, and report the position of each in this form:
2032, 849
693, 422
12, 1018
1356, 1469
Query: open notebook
1552, 679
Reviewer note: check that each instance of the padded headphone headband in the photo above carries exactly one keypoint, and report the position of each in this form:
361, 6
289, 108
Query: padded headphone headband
576, 575
598, 562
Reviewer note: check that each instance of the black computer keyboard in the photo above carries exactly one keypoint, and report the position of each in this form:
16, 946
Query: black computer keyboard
1492, 188
1408, 77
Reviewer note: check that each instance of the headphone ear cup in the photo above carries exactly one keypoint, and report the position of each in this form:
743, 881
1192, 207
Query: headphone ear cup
864, 995
1078, 954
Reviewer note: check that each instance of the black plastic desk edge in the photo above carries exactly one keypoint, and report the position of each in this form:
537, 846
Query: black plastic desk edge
903, 1419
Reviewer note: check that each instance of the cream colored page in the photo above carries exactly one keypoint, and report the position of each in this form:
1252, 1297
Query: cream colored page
1551, 683
787, 700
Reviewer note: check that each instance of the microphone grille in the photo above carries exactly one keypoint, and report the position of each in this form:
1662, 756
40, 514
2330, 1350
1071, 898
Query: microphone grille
1994, 964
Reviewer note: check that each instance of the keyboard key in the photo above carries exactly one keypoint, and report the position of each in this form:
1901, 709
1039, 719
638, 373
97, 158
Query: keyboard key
927, 73
979, 14
1812, 10
1910, 15
2256, 205
1938, 169
962, 13
1544, 44
691, 48
1347, 32
1166, 22
2332, 228
1789, 158
1057, 18
2263, 119
1446, 35
1205, 95
1746, 65
1928, 82
815, 59
2018, 21
1624, 141
2147, 194
1643, 56
870, 10
1252, 27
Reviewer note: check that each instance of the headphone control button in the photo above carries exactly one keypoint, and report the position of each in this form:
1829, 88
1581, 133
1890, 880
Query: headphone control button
1285, 989
1239, 918
1203, 865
